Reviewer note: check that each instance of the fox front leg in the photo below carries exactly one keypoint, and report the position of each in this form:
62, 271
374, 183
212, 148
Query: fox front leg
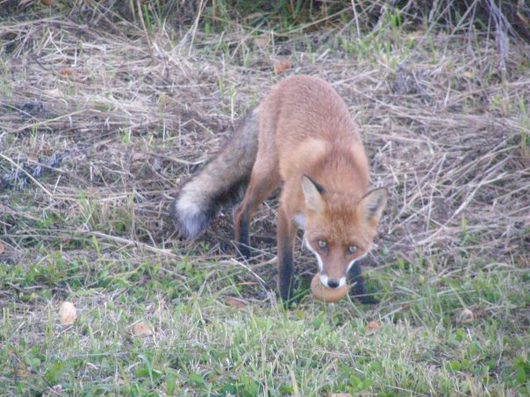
285, 235
359, 290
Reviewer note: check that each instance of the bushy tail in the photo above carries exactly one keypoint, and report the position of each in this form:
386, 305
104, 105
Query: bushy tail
220, 182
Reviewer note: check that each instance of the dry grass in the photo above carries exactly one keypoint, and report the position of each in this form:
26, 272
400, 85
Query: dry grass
116, 123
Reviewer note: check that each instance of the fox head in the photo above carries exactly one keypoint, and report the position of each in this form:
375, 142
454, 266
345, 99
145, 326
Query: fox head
339, 229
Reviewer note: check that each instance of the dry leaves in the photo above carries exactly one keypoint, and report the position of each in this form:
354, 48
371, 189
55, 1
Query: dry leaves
68, 313
236, 302
2, 247
262, 41
466, 316
373, 326
282, 66
142, 329
67, 72
54, 93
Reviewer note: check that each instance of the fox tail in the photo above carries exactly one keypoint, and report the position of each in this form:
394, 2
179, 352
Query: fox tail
220, 182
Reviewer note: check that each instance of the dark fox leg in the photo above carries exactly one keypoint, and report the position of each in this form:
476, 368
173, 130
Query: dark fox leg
263, 181
359, 290
286, 233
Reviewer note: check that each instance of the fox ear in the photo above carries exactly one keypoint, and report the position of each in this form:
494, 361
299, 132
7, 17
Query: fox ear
312, 194
373, 204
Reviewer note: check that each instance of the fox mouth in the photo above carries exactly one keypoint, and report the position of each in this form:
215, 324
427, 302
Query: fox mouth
324, 280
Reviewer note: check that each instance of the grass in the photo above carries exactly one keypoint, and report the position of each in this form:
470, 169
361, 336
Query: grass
203, 346
100, 125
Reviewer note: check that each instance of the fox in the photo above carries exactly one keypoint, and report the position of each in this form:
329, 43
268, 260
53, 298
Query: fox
301, 137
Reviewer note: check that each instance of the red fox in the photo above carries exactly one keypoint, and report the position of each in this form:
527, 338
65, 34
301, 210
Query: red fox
303, 136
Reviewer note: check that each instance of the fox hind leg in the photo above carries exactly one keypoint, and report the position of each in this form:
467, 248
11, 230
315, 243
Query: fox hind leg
264, 179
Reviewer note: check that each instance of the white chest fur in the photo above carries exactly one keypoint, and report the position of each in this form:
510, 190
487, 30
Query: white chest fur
299, 219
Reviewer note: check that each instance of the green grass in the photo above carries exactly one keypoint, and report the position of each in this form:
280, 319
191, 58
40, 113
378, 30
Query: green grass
202, 346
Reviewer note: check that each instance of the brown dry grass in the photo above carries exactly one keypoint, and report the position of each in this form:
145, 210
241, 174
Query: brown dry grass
116, 121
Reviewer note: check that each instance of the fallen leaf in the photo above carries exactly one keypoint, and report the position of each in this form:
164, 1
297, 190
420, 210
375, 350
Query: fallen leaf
142, 329
66, 72
373, 326
23, 373
262, 41
2, 247
68, 313
282, 66
466, 316
236, 302
54, 93
47, 2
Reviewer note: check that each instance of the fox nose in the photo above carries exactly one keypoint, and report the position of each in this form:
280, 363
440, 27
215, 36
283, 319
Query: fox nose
332, 283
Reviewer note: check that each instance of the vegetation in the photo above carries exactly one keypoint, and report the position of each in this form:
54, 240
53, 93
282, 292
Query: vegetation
105, 107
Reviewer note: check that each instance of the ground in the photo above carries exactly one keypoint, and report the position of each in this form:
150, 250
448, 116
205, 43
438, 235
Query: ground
101, 122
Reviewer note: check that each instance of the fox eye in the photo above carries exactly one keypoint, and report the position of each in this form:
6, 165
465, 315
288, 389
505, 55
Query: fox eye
322, 244
352, 249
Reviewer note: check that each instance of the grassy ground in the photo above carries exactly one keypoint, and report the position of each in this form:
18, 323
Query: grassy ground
100, 123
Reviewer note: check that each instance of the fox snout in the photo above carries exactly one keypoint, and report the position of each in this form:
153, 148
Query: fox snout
332, 282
